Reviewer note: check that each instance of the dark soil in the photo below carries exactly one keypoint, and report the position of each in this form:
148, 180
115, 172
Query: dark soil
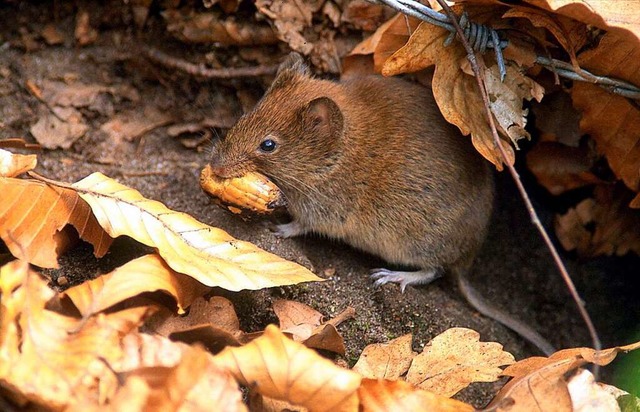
514, 269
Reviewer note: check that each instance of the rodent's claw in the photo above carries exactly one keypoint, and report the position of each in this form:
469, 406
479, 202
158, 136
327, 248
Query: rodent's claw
404, 279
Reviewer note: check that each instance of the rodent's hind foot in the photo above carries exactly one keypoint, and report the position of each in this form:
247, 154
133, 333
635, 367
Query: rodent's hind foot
288, 230
404, 279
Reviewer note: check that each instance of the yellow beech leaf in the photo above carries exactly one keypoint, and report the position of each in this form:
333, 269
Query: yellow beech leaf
32, 215
145, 274
194, 384
12, 164
205, 253
386, 360
49, 358
383, 396
277, 367
539, 383
456, 358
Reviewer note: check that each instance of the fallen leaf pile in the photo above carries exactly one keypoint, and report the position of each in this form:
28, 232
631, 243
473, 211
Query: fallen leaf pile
151, 334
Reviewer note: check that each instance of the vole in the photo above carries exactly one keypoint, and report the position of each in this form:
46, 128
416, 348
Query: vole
371, 161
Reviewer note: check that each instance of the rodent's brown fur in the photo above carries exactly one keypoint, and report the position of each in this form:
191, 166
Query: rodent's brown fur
371, 161
395, 180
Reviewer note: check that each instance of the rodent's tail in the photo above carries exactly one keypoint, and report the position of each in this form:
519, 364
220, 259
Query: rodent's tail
481, 305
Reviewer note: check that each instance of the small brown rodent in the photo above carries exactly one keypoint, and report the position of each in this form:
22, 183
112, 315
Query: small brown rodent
370, 161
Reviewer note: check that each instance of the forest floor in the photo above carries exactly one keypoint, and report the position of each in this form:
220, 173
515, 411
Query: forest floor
514, 269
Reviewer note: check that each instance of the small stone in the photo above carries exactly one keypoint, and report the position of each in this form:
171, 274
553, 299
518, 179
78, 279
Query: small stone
329, 272
62, 280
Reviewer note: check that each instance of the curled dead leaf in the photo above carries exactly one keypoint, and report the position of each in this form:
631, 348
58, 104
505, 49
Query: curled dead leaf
145, 274
12, 164
540, 383
383, 395
31, 222
280, 368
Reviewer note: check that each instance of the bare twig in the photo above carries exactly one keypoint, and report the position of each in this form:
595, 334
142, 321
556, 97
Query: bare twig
514, 174
201, 70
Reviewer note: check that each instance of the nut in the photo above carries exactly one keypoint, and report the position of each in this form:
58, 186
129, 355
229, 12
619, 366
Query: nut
253, 192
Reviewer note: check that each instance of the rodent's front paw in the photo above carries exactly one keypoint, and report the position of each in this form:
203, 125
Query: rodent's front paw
290, 229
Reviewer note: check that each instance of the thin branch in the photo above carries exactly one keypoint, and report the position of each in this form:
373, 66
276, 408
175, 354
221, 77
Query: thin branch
203, 71
514, 174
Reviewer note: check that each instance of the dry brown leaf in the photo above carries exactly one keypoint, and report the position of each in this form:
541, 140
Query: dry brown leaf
280, 368
557, 120
131, 125
387, 39
386, 360
611, 119
12, 164
31, 221
145, 274
213, 323
259, 403
194, 384
364, 15
48, 358
604, 225
560, 168
456, 358
456, 92
381, 396
570, 34
539, 383
205, 253
290, 18
304, 324
84, 33
59, 129
209, 28
618, 14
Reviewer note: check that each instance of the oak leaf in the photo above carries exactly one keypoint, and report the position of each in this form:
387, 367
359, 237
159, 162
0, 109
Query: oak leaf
282, 369
12, 164
49, 358
32, 217
456, 358
382, 395
456, 91
208, 254
145, 274
539, 383
388, 360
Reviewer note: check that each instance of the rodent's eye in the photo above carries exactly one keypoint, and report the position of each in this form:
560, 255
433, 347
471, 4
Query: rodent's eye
268, 145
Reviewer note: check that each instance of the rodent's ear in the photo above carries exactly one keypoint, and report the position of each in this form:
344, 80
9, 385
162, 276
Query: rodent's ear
291, 68
323, 115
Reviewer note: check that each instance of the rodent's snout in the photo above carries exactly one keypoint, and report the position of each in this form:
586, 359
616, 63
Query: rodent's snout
220, 170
